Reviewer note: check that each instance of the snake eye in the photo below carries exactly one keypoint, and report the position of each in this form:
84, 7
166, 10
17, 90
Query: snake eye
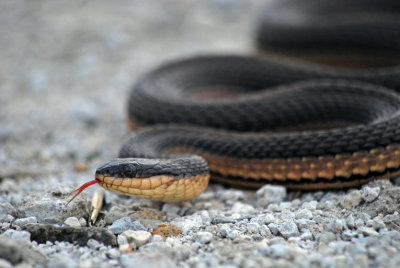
130, 170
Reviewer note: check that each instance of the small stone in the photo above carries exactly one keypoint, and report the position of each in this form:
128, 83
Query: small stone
20, 254
377, 223
138, 237
20, 236
359, 223
264, 231
304, 224
122, 240
72, 222
204, 237
273, 227
125, 248
224, 230
113, 253
312, 205
351, 200
326, 237
367, 231
369, 194
253, 228
232, 235
189, 223
82, 222
304, 214
242, 208
269, 194
94, 244
282, 251
6, 209
335, 226
306, 235
350, 221
288, 229
5, 264
24, 221
348, 235
171, 208
124, 224
154, 260
268, 218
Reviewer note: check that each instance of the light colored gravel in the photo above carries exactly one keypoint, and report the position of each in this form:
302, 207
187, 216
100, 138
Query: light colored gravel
66, 68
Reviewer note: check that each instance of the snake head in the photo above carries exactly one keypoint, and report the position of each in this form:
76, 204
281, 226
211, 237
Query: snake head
120, 168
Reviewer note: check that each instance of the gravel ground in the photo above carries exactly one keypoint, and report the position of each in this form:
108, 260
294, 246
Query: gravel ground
65, 71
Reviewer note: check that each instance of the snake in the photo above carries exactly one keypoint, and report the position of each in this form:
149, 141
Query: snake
317, 109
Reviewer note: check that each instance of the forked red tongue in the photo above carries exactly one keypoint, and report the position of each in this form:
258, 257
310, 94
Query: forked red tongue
80, 189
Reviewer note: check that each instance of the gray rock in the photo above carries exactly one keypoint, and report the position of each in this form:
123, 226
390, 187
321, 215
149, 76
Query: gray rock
50, 208
267, 218
242, 208
311, 205
288, 229
224, 231
204, 237
171, 208
124, 224
351, 200
24, 221
153, 260
113, 253
350, 221
306, 235
273, 227
17, 253
188, 223
326, 237
5, 264
253, 228
93, 244
378, 223
347, 235
335, 226
369, 194
282, 251
47, 232
62, 260
20, 236
304, 214
367, 231
269, 194
122, 240
233, 235
6, 209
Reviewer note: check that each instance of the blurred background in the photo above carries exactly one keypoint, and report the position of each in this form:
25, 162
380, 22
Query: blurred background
67, 67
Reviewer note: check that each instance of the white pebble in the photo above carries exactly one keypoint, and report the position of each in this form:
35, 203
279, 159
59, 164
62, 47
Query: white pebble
204, 237
72, 222
138, 237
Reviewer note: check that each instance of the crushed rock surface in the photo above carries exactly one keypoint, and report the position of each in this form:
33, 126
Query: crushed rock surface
66, 68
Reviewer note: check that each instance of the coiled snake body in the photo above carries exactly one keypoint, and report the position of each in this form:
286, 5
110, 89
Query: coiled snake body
257, 120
